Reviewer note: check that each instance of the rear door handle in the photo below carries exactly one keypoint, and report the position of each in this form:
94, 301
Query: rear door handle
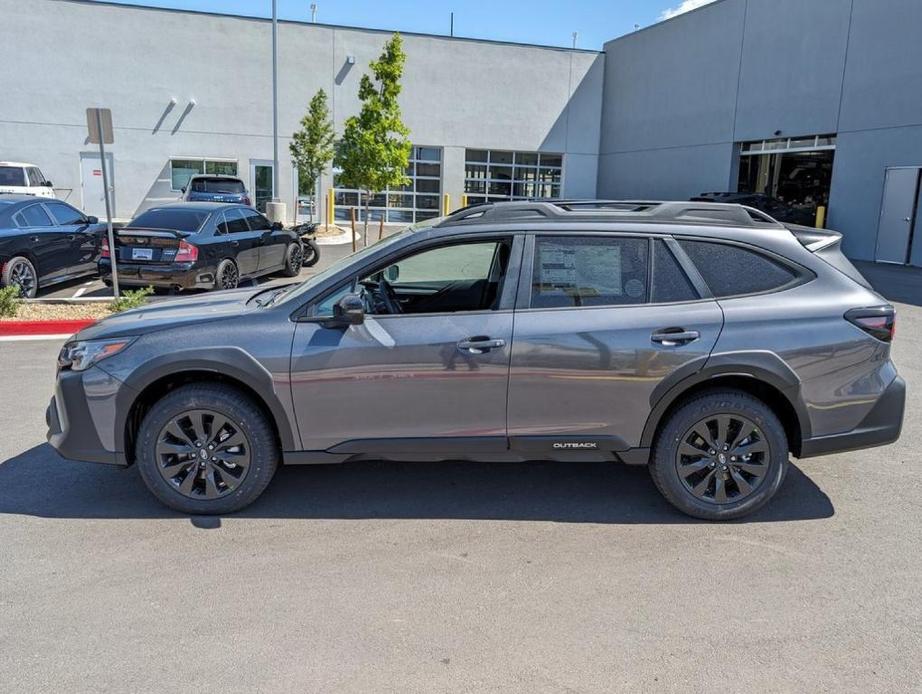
673, 337
480, 344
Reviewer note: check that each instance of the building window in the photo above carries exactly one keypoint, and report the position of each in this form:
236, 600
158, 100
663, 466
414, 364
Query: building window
492, 175
181, 170
418, 200
791, 174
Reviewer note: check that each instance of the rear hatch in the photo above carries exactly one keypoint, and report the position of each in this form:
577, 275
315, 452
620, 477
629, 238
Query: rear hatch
216, 190
827, 245
148, 245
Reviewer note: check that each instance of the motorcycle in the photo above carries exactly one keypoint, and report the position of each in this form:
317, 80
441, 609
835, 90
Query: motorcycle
307, 231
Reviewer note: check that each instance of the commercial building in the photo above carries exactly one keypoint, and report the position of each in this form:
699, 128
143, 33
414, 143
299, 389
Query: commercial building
818, 104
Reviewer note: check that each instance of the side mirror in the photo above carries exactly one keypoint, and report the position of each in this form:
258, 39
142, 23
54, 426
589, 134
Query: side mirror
48, 184
350, 310
92, 220
277, 226
182, 190
392, 273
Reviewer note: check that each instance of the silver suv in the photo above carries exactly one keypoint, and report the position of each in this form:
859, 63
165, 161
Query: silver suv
705, 340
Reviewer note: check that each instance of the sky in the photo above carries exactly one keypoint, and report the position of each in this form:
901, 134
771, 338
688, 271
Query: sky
548, 22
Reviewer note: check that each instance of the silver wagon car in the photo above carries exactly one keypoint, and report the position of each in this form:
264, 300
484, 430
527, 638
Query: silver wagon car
707, 341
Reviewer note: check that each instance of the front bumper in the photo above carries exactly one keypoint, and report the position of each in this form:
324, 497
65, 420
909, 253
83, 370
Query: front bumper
168, 275
881, 426
81, 417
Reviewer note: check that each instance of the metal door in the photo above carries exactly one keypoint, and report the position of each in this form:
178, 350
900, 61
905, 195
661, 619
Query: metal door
94, 202
897, 213
261, 183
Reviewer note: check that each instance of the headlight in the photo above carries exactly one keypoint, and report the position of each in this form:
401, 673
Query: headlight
81, 355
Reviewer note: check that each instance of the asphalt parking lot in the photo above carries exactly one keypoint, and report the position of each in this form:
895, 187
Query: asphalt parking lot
380, 577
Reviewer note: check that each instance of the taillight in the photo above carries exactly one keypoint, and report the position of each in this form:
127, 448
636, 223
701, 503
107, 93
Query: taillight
105, 249
878, 321
187, 253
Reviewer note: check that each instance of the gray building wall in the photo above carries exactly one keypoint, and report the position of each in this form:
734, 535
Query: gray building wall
457, 93
680, 95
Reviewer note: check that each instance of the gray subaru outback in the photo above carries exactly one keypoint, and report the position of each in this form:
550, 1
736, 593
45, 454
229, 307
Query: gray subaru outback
707, 341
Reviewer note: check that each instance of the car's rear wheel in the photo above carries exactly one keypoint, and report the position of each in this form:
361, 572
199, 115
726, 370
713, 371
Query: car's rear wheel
21, 272
311, 253
206, 448
293, 259
720, 455
227, 275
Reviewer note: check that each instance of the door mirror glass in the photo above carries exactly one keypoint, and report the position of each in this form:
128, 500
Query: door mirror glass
392, 273
48, 183
350, 310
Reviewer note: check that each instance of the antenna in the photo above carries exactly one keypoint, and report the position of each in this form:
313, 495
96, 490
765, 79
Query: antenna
451, 28
313, 13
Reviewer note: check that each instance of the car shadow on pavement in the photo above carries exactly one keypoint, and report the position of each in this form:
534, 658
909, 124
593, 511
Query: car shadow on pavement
40, 483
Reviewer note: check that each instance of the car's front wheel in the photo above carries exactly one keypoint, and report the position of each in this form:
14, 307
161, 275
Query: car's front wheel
293, 258
720, 455
206, 448
311, 253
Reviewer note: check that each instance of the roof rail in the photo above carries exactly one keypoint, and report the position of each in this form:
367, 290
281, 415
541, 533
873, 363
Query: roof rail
677, 212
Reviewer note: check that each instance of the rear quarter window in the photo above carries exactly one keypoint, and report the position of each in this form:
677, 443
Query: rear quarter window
731, 270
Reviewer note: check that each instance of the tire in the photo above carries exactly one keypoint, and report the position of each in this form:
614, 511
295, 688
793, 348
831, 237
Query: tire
293, 258
311, 253
20, 270
712, 484
227, 276
246, 429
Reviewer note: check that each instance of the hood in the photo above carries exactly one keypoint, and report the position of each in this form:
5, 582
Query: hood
161, 315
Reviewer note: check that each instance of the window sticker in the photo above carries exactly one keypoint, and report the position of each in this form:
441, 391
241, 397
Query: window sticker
584, 270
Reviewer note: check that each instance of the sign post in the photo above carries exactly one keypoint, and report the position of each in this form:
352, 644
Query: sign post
99, 123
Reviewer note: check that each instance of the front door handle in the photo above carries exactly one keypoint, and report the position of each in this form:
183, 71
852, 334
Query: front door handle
480, 344
673, 337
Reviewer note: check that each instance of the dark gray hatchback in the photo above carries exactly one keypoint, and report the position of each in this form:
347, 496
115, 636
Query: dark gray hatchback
707, 341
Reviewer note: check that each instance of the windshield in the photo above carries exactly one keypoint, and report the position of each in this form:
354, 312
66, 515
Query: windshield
217, 185
170, 218
354, 258
12, 176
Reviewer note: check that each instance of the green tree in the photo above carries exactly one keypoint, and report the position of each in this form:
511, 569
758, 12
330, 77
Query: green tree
311, 147
374, 151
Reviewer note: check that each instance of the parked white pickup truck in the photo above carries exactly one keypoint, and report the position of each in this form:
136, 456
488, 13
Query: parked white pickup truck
24, 179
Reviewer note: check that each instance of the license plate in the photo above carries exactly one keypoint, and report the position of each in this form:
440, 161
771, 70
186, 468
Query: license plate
142, 253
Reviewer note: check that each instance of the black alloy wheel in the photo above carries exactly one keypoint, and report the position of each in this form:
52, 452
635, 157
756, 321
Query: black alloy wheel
21, 273
203, 454
228, 275
723, 458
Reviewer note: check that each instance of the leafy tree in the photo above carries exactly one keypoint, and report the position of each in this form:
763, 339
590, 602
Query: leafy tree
374, 151
311, 147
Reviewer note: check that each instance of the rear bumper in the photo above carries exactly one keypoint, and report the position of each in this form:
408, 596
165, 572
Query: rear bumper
881, 426
181, 275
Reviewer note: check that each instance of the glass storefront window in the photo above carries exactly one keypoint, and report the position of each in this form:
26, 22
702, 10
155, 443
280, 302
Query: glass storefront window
181, 170
413, 202
491, 175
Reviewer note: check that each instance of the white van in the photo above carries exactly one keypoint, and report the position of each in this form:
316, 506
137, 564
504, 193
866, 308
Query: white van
24, 179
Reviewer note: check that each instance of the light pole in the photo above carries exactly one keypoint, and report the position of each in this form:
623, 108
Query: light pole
275, 102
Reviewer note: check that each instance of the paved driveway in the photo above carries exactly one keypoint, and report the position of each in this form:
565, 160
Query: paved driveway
456, 577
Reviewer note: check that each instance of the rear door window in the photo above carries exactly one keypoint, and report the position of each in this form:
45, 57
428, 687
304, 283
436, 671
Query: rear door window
573, 271
732, 270
33, 216
670, 283
234, 222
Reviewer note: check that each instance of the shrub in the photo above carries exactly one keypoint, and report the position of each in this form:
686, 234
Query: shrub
10, 299
133, 298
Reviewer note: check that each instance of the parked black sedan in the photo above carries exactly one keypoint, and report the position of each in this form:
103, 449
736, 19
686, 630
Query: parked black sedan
45, 241
200, 245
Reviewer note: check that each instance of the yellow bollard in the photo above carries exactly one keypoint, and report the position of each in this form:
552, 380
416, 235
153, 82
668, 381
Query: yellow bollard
446, 204
821, 217
331, 207
464, 200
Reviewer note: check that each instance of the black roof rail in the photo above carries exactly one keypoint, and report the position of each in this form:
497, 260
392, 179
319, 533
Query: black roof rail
658, 211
